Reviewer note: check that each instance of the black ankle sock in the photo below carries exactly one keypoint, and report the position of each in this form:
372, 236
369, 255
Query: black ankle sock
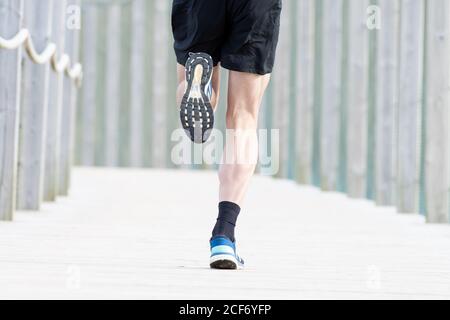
226, 222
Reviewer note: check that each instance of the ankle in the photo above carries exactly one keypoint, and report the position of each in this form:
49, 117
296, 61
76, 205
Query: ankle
226, 221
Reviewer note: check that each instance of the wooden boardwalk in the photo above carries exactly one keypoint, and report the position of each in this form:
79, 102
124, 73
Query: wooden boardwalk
144, 234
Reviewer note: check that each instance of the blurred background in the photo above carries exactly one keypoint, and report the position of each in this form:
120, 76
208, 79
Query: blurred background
360, 97
359, 94
348, 94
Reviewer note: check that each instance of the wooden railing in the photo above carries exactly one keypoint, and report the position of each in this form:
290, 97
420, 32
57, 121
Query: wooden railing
360, 96
38, 89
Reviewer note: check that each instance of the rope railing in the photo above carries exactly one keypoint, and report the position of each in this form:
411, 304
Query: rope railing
49, 54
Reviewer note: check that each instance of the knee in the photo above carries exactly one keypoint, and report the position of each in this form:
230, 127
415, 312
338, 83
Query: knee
239, 117
229, 174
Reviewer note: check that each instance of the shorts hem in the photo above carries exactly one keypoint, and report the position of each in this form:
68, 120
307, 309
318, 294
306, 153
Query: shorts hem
245, 68
183, 57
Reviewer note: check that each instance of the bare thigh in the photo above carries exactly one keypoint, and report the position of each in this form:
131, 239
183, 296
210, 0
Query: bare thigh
245, 93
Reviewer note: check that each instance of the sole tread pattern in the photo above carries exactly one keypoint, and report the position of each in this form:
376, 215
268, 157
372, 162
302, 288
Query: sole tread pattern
223, 265
197, 114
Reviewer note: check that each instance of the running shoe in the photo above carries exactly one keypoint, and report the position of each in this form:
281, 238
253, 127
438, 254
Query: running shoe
196, 112
223, 254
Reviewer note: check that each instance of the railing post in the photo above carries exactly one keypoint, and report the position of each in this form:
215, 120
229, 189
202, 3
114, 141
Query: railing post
317, 82
305, 90
343, 118
10, 23
66, 152
357, 99
331, 93
372, 101
125, 84
55, 100
100, 106
410, 104
38, 19
386, 108
281, 77
150, 54
160, 82
437, 158
138, 38
112, 90
86, 127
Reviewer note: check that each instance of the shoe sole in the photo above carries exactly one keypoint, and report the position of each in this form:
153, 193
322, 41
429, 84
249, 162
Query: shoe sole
196, 112
224, 262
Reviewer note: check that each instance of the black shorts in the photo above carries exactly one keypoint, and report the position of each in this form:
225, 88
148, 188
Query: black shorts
240, 34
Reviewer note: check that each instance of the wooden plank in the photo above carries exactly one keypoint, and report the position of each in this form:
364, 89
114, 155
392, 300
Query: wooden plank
87, 248
437, 158
67, 143
35, 80
331, 93
318, 22
125, 84
74, 102
138, 87
305, 90
410, 104
292, 111
10, 23
112, 86
159, 85
173, 113
55, 100
100, 106
423, 124
357, 100
386, 110
342, 170
150, 54
281, 87
79, 112
372, 105
87, 119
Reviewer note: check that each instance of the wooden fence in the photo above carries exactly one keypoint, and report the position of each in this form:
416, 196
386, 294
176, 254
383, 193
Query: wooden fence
38, 89
360, 94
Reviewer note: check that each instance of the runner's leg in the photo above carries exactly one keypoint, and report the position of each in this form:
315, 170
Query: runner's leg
245, 93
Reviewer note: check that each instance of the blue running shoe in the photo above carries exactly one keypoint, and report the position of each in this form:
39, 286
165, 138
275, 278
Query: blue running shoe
223, 254
196, 112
